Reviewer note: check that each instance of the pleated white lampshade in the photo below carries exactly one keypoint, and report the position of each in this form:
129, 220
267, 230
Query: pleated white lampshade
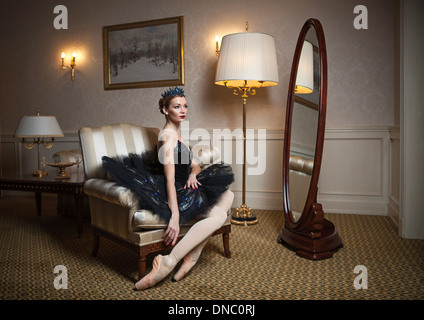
305, 70
247, 57
38, 127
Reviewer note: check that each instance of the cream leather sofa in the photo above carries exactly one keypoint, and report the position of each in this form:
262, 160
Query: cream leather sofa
115, 212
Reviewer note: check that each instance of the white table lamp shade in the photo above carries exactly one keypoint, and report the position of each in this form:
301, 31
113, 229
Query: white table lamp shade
38, 126
305, 70
247, 57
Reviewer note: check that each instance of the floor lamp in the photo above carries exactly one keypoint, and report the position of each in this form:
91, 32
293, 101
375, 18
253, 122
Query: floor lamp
247, 61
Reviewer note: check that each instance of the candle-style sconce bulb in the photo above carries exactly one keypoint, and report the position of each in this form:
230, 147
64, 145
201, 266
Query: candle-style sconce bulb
217, 45
71, 66
73, 59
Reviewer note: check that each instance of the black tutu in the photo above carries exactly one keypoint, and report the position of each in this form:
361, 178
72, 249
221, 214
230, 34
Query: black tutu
143, 175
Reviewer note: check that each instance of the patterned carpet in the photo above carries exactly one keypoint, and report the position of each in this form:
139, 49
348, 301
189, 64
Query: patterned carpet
260, 268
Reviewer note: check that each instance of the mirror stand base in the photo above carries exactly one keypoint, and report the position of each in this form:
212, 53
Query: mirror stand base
313, 249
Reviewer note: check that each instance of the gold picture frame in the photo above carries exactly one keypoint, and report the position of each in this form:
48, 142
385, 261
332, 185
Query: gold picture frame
144, 54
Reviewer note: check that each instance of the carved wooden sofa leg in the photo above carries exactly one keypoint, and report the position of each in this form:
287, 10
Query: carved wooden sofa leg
225, 230
96, 244
142, 259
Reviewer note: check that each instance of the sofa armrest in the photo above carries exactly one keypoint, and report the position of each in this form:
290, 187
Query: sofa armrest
111, 192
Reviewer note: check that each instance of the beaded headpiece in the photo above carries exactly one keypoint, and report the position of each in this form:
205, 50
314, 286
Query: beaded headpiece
172, 92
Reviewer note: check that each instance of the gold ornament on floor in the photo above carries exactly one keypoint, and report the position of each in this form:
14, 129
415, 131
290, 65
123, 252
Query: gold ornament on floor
243, 216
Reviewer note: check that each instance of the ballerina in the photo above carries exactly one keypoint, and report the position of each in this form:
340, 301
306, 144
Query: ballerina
169, 182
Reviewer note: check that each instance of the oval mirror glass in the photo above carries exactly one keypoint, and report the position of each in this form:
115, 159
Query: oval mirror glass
304, 124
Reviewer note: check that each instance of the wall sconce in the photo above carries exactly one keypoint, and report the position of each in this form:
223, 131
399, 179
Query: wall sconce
217, 48
71, 66
217, 45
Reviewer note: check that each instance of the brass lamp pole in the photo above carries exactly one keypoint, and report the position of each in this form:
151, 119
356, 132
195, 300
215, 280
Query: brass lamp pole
243, 216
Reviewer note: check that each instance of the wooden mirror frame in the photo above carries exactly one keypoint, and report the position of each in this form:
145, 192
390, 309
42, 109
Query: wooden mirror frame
311, 236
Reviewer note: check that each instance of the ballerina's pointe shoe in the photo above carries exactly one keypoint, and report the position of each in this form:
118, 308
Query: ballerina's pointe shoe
162, 266
187, 264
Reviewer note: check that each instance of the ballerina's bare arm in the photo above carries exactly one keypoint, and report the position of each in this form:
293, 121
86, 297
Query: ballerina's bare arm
166, 156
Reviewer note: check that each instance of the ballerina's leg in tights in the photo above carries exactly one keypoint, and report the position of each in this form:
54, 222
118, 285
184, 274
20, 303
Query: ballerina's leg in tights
190, 246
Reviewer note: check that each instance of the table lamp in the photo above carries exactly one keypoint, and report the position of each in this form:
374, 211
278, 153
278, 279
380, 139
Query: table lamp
39, 128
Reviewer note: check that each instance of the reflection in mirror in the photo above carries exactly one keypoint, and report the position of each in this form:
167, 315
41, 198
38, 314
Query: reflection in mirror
305, 70
304, 124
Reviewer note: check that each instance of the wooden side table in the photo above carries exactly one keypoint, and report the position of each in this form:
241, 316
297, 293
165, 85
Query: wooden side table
27, 182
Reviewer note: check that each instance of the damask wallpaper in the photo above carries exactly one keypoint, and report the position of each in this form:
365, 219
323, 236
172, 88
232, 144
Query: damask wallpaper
361, 63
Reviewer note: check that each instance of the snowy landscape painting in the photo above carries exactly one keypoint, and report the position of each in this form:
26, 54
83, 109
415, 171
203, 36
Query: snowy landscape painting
143, 54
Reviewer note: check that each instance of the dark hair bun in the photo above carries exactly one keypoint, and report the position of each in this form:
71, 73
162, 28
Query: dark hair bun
161, 104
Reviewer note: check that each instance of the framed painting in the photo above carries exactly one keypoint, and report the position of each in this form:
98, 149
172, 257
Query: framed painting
143, 54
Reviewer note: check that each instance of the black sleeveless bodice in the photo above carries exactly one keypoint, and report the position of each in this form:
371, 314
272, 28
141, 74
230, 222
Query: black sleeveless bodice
182, 160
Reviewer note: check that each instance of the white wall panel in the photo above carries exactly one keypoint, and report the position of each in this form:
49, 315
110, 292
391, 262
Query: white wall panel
355, 171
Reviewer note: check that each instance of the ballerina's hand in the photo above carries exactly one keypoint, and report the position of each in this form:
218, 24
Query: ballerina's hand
172, 232
192, 182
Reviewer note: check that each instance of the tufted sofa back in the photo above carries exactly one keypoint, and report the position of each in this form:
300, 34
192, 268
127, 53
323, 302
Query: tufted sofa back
113, 140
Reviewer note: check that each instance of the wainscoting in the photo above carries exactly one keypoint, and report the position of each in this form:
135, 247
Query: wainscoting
359, 174
355, 172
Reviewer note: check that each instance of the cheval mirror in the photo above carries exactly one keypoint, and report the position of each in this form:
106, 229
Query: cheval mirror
305, 229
